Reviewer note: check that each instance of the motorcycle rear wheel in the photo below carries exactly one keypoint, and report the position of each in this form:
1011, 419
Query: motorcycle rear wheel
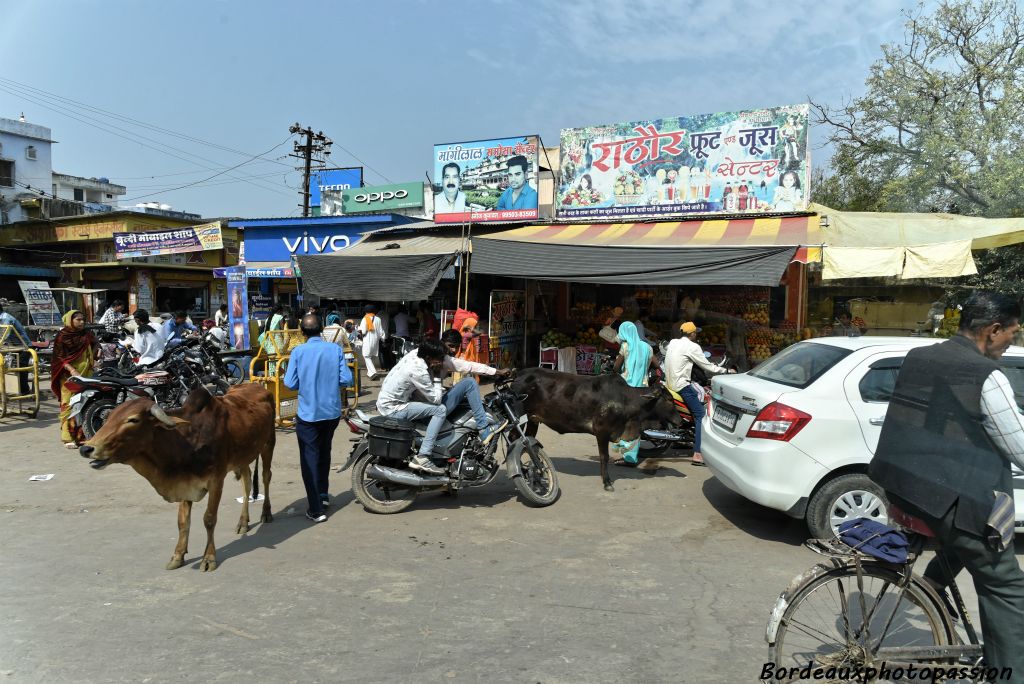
374, 495
538, 484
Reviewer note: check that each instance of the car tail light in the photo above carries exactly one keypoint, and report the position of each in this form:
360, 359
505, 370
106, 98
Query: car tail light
778, 421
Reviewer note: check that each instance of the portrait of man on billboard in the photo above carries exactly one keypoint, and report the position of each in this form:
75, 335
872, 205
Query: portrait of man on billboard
451, 198
518, 194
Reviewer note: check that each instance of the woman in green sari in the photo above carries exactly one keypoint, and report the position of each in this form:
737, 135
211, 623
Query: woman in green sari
74, 353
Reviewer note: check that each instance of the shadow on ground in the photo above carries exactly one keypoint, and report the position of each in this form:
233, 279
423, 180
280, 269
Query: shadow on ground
757, 521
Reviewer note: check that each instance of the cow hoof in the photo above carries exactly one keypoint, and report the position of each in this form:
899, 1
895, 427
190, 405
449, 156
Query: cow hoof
609, 487
266, 517
174, 563
242, 528
208, 564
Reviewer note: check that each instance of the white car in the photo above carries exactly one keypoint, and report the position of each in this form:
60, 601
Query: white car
796, 433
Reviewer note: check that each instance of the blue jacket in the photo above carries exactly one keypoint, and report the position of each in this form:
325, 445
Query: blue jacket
318, 370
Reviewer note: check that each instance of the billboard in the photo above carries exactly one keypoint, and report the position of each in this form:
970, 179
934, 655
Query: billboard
325, 187
732, 162
238, 307
40, 302
171, 241
486, 180
382, 198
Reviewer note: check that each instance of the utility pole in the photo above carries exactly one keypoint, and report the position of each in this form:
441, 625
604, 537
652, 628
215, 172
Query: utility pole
316, 143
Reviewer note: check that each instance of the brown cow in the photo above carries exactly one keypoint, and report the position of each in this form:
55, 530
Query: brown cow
603, 406
188, 454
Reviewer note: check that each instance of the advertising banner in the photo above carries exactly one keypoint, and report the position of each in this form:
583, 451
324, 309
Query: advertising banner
172, 241
382, 198
42, 307
238, 307
507, 328
281, 244
326, 186
731, 163
486, 180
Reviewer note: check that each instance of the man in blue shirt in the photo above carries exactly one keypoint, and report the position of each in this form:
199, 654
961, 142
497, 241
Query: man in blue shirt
318, 370
518, 194
176, 329
12, 339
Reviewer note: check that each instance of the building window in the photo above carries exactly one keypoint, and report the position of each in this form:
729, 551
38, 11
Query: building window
79, 195
30, 152
6, 173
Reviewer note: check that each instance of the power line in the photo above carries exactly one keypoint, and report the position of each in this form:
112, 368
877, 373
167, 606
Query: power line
127, 119
219, 173
129, 135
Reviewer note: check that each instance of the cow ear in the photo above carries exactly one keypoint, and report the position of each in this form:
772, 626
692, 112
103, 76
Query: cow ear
177, 422
653, 395
197, 400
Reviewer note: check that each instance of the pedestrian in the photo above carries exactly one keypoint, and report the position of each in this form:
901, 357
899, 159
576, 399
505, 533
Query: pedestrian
220, 318
317, 370
429, 326
8, 319
951, 432
372, 333
680, 358
74, 352
635, 357
113, 318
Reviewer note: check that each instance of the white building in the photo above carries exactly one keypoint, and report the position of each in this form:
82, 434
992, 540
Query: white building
25, 168
91, 190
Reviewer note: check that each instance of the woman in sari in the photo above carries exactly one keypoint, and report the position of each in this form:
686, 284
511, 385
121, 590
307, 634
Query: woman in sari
634, 361
73, 354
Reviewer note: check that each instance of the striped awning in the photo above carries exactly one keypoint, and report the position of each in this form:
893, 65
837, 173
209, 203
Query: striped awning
803, 232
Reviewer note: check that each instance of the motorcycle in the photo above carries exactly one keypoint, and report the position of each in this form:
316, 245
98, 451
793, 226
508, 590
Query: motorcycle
656, 441
383, 482
167, 382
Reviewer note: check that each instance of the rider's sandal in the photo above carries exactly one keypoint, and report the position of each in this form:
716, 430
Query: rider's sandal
623, 463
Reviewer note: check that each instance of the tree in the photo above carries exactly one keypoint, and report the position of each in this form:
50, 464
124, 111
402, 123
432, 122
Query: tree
941, 126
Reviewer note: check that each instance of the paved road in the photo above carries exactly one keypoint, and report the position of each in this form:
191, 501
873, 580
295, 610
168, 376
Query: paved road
668, 579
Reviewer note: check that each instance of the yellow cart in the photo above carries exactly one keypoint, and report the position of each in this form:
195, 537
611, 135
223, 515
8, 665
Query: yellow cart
19, 371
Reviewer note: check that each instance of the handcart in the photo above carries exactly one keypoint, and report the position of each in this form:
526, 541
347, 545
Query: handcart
19, 372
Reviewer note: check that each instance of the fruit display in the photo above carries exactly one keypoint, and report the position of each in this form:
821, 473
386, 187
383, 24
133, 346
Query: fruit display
588, 336
950, 323
583, 312
579, 197
756, 314
629, 186
734, 302
713, 334
644, 294
759, 345
556, 338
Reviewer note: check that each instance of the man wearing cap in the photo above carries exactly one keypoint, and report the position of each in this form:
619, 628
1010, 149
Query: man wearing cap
680, 358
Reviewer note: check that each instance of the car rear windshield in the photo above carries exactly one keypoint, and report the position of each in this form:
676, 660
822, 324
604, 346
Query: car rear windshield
800, 365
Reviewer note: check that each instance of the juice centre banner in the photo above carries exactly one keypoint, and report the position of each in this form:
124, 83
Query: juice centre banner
732, 162
486, 180
506, 327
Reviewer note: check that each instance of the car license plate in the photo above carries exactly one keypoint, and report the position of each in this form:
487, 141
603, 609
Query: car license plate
724, 418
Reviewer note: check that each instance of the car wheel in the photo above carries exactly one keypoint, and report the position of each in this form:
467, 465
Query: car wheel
843, 498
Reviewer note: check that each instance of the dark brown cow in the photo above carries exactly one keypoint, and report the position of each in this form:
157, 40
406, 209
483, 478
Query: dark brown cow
603, 406
189, 453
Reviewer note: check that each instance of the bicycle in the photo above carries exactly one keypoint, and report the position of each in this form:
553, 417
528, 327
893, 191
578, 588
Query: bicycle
857, 618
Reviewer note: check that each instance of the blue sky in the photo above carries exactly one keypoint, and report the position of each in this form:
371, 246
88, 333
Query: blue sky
387, 79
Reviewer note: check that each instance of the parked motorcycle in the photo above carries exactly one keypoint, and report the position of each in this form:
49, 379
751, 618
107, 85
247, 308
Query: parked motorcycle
383, 483
656, 441
168, 382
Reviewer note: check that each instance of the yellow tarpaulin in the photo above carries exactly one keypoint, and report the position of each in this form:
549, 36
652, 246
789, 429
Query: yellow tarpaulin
926, 245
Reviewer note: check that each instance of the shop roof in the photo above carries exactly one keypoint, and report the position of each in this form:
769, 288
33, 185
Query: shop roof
291, 221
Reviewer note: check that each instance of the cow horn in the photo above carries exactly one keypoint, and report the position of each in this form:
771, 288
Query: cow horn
159, 414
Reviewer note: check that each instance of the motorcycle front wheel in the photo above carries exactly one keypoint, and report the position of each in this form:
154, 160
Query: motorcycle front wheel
95, 414
377, 496
538, 484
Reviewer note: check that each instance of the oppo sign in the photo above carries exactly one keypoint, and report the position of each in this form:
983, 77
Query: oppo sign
382, 198
371, 197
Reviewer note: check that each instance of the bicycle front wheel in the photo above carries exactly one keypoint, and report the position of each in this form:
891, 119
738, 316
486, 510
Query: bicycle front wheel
834, 620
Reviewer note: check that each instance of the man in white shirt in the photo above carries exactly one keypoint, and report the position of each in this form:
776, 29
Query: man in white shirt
149, 342
419, 375
680, 358
451, 199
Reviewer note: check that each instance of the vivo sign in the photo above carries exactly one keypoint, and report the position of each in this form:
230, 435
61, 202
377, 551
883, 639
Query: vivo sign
281, 244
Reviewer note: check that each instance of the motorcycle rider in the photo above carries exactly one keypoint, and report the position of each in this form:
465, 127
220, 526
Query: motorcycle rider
176, 330
149, 342
421, 372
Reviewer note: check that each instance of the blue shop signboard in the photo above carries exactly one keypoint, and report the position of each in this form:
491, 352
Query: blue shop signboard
282, 243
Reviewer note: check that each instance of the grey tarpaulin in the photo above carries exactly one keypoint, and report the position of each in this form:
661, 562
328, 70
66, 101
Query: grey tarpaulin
390, 270
761, 266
